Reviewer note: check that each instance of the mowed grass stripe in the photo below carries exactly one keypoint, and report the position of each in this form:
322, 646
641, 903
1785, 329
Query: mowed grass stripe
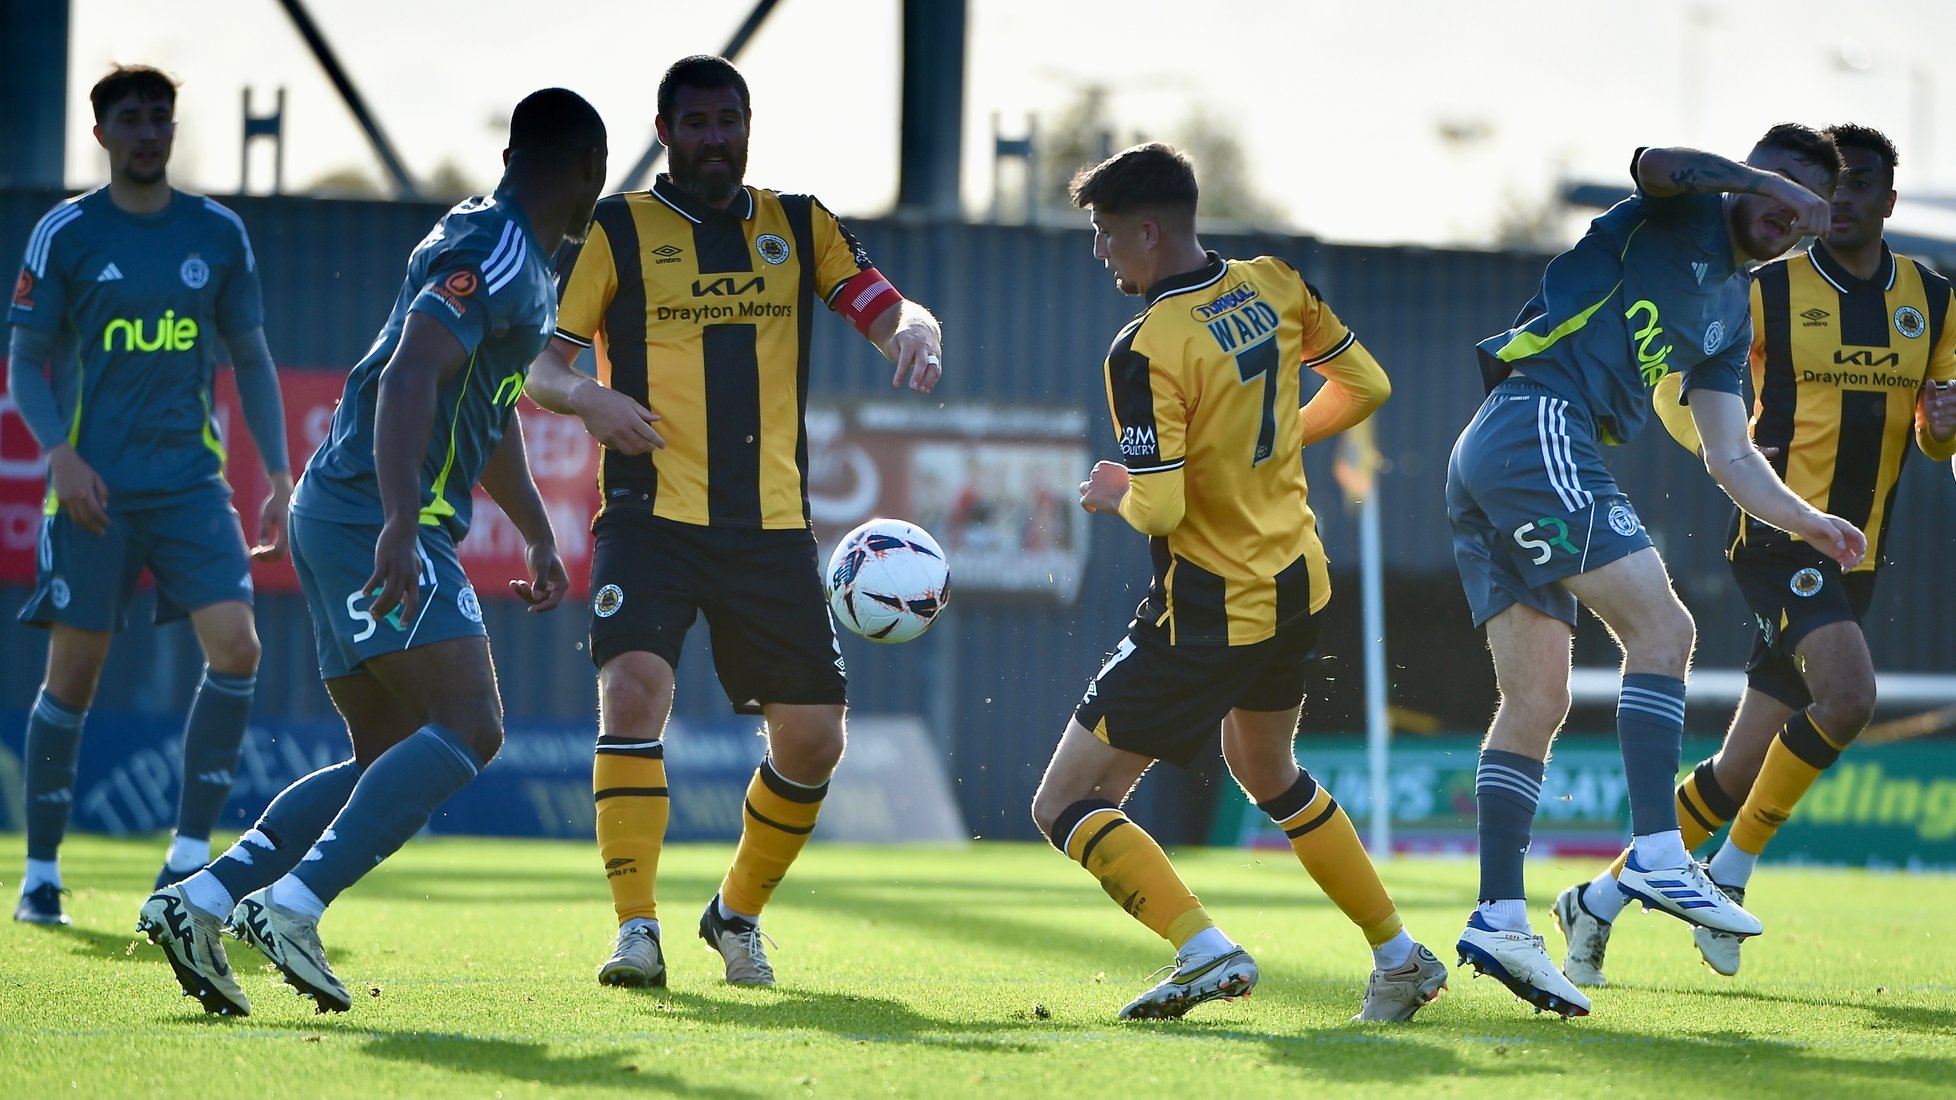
988, 970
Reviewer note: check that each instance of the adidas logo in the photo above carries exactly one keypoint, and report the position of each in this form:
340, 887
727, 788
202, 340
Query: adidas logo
109, 274
1699, 269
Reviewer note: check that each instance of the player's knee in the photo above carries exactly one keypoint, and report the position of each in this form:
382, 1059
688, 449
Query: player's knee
236, 653
1537, 707
1662, 640
633, 701
485, 739
806, 748
1844, 711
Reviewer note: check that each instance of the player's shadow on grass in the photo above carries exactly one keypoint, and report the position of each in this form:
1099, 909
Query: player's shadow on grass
844, 1015
92, 943
622, 1070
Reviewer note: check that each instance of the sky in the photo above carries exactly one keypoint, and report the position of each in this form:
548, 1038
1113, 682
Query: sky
1391, 121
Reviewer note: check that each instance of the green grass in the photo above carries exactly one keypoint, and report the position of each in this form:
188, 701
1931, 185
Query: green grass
993, 970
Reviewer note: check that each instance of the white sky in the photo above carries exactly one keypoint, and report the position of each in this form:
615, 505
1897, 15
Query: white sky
1342, 105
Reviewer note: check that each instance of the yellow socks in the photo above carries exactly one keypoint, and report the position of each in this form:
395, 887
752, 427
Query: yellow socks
1799, 753
628, 780
1328, 847
779, 816
1131, 867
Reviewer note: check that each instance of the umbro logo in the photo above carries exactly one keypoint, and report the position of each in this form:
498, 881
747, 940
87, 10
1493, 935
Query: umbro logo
109, 274
1699, 268
1815, 318
668, 254
614, 864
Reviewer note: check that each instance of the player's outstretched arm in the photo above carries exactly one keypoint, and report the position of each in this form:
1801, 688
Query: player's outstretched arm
1676, 171
506, 478
264, 413
911, 338
404, 420
613, 419
1748, 478
1354, 388
79, 489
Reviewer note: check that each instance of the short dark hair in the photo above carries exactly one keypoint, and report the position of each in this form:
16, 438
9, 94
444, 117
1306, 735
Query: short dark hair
1152, 176
555, 121
1806, 143
150, 83
701, 70
1847, 135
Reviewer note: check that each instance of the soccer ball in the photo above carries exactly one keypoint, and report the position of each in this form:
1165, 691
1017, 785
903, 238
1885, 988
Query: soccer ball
888, 581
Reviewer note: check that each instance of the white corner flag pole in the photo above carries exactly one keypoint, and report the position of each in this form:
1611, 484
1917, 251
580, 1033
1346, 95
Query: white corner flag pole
1378, 730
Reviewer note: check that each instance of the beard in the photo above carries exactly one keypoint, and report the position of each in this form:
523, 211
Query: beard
147, 176
714, 183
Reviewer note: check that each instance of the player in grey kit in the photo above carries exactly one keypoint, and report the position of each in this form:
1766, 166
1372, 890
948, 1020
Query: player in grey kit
427, 414
1658, 285
122, 298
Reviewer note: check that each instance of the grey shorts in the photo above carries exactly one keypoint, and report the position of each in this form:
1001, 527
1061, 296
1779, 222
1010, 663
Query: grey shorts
1532, 503
193, 548
334, 560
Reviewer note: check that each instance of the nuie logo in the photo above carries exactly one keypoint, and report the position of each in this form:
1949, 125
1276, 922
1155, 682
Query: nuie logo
172, 333
1653, 365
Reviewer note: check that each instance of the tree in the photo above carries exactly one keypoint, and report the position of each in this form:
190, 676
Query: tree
345, 182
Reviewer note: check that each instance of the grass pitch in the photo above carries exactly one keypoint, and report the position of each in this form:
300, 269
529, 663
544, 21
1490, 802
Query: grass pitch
988, 971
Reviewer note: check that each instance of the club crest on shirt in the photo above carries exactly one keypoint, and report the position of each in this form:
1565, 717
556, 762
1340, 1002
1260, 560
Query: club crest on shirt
1806, 583
195, 273
1908, 322
772, 248
468, 605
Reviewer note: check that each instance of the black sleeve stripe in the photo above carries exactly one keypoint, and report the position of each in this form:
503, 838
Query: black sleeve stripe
1936, 293
1163, 468
580, 341
1343, 345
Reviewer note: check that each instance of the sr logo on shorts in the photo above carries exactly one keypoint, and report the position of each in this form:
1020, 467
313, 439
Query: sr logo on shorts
1806, 583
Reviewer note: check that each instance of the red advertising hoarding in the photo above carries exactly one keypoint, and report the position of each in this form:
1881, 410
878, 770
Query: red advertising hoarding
994, 484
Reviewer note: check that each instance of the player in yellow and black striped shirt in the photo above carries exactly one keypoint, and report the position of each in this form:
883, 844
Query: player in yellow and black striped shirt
1851, 347
1204, 386
699, 296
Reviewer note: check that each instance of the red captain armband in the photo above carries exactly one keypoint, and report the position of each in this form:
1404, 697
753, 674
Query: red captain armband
864, 298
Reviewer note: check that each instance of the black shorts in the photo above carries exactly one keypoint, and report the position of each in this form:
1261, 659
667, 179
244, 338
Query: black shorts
1165, 702
761, 592
1793, 590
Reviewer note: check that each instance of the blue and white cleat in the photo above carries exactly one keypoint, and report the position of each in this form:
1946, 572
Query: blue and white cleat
1688, 894
1519, 961
1196, 979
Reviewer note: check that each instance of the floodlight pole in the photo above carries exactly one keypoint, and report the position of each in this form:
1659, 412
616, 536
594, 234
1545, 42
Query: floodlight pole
323, 53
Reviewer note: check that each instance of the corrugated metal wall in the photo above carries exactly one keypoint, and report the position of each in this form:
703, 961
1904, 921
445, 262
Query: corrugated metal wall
1028, 314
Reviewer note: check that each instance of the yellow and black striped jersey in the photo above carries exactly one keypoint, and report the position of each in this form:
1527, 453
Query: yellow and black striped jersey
703, 316
1204, 388
1837, 364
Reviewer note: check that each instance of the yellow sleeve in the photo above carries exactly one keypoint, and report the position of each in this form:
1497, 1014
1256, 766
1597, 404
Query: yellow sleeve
588, 289
1151, 426
1154, 504
1667, 402
1355, 385
838, 258
1942, 368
